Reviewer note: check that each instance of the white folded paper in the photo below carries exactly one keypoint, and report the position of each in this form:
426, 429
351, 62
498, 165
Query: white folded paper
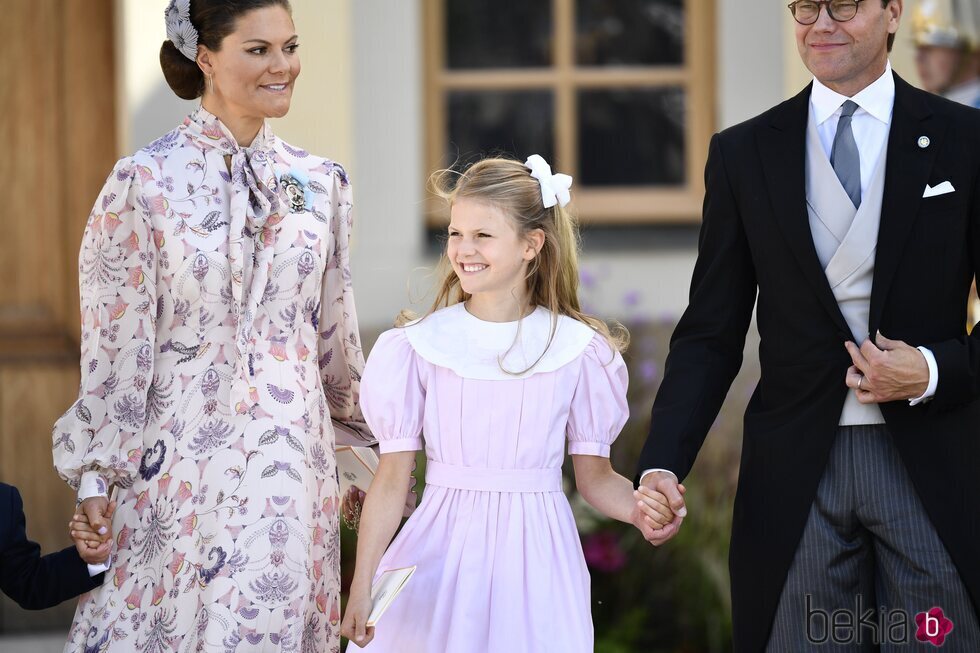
384, 591
356, 466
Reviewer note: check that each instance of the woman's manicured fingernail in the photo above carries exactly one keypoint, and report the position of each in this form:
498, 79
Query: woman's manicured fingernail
103, 530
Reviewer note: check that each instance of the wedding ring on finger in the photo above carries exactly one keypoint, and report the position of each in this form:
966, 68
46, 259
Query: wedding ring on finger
860, 381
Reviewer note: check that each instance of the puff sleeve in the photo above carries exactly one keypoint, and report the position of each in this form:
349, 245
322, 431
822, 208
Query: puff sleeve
599, 409
98, 441
393, 394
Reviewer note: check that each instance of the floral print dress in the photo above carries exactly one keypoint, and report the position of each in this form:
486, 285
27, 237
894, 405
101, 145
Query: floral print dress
219, 338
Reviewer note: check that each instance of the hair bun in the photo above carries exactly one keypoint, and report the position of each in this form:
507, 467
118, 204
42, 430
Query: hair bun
182, 75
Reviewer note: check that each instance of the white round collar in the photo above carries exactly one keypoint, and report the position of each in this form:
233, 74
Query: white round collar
472, 348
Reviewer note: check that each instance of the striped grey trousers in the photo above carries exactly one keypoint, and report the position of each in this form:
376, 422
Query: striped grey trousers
868, 560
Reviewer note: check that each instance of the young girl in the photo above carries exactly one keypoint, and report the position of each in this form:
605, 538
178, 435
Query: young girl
496, 380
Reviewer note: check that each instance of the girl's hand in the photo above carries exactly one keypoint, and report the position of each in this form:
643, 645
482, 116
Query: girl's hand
654, 506
354, 626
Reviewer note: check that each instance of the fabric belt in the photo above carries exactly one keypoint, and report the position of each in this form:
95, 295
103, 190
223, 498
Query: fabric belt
483, 479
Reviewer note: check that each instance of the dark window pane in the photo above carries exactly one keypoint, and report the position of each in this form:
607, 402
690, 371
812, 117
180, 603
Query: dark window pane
493, 34
631, 137
629, 32
515, 123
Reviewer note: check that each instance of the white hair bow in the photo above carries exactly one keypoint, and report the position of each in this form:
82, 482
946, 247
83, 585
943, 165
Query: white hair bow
554, 188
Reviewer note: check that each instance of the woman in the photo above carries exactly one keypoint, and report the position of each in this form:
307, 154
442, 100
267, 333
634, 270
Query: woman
216, 303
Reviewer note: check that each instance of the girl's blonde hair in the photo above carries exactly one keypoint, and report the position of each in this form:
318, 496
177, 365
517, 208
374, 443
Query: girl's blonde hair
552, 276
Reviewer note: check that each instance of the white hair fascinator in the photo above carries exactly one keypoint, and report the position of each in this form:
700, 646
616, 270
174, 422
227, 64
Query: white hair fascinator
180, 29
554, 188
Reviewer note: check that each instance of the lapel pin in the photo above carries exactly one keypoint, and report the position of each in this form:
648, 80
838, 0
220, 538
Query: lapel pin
924, 142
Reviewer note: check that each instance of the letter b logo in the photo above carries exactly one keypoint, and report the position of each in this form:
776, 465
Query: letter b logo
933, 626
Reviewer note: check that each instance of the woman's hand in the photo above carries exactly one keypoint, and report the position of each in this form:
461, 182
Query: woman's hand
354, 626
351, 505
94, 509
93, 548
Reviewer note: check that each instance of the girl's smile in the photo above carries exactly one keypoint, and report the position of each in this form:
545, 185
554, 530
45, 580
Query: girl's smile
490, 257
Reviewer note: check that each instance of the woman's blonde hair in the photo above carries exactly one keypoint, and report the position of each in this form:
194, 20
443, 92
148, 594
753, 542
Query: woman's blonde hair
552, 276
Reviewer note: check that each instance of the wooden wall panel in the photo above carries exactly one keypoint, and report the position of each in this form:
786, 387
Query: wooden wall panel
31, 296
57, 102
32, 397
90, 152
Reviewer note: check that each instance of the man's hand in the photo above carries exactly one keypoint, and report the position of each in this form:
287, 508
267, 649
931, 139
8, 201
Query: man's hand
667, 485
886, 370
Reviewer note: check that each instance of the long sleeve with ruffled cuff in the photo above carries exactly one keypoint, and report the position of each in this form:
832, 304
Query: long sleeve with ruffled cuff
341, 360
97, 442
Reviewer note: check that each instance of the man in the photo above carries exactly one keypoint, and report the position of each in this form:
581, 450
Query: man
35, 581
852, 211
947, 48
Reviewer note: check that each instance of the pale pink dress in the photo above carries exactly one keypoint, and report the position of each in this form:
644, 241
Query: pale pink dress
500, 563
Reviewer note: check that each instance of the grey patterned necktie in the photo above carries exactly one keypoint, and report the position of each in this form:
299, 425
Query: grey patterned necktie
844, 155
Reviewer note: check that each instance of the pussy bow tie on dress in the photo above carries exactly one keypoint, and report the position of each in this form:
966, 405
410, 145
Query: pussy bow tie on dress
256, 209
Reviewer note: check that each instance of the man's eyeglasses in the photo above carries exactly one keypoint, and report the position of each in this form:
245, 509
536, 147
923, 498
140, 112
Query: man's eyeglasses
806, 12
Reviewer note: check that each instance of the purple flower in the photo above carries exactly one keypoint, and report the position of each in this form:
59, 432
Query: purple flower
648, 371
602, 552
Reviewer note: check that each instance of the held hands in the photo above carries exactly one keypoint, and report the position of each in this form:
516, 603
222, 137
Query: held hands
886, 370
660, 508
93, 547
354, 626
653, 507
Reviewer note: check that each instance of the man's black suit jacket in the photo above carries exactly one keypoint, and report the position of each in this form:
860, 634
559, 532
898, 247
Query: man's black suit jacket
756, 241
33, 580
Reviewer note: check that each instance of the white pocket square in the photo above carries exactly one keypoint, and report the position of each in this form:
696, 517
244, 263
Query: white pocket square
940, 189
